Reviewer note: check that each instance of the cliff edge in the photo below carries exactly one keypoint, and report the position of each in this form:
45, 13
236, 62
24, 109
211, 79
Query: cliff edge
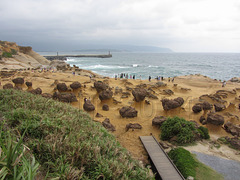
13, 56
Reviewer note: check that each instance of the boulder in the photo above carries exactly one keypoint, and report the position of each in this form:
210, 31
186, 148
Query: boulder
8, 86
152, 96
106, 123
235, 142
197, 108
133, 126
18, 80
158, 121
171, 104
100, 86
105, 94
65, 97
235, 79
219, 107
215, 119
168, 91
99, 115
75, 85
88, 106
28, 84
36, 91
47, 95
206, 105
128, 112
203, 120
160, 84
62, 87
139, 94
232, 128
105, 107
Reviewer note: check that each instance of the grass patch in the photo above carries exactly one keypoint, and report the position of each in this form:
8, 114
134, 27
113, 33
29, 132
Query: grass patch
188, 165
205, 172
65, 141
7, 54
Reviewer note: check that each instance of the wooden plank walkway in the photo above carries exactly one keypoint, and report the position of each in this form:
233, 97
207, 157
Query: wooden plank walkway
165, 167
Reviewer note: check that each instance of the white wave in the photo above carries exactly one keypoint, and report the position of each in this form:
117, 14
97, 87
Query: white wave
135, 65
153, 66
99, 66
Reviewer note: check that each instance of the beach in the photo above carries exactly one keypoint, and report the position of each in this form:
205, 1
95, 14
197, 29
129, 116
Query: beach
190, 88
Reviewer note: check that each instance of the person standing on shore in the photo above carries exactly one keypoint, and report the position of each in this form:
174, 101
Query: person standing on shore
149, 78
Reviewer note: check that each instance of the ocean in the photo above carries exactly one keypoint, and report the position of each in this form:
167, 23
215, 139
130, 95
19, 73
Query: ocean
221, 66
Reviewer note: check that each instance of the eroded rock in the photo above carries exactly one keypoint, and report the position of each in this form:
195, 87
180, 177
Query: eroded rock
128, 112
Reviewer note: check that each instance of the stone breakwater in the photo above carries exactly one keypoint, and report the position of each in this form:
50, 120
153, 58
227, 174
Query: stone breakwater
64, 57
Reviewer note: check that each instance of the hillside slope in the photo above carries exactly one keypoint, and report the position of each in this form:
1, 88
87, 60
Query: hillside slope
13, 56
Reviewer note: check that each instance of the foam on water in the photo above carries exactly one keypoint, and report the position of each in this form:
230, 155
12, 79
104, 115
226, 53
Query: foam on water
215, 65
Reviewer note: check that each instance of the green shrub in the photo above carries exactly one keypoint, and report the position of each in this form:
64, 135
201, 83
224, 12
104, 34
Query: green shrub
13, 51
7, 54
203, 132
179, 127
184, 162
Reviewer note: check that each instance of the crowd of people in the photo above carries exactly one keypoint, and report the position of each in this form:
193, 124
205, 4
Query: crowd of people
127, 76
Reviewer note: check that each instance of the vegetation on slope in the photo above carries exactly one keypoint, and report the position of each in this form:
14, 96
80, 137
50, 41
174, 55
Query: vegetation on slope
188, 165
184, 131
65, 142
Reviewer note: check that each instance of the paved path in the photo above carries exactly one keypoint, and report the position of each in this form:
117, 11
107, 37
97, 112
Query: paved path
165, 167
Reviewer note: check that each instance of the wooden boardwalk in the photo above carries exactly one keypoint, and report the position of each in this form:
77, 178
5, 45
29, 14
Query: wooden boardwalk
163, 164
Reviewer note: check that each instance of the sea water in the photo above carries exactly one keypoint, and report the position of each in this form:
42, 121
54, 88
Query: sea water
221, 66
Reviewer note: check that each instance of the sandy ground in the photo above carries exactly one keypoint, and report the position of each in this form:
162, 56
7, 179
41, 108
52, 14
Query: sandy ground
190, 88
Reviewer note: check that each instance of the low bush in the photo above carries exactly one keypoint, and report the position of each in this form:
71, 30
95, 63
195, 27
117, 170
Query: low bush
7, 54
184, 131
179, 127
13, 51
183, 161
203, 132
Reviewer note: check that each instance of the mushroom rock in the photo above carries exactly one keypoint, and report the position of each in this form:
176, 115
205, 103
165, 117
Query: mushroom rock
75, 85
8, 86
62, 87
106, 123
139, 94
215, 119
128, 112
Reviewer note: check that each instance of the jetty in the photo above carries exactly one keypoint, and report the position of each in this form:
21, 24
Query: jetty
163, 164
64, 57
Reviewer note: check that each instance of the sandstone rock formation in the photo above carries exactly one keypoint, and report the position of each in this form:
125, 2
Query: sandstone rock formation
215, 119
219, 107
62, 87
88, 106
158, 121
105, 94
8, 86
106, 123
100, 86
139, 94
128, 112
105, 107
36, 91
65, 97
133, 126
76, 85
232, 128
171, 104
18, 81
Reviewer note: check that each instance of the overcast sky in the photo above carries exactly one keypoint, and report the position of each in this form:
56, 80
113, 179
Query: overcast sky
181, 25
